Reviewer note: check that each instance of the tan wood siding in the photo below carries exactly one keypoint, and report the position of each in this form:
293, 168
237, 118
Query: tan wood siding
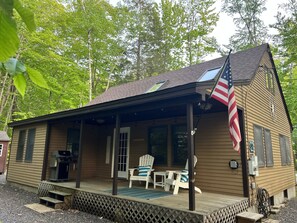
214, 150
257, 105
27, 173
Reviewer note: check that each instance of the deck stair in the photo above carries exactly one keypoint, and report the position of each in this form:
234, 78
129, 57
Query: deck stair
249, 217
57, 200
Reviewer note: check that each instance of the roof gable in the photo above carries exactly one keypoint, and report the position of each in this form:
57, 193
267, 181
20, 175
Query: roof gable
243, 64
3, 136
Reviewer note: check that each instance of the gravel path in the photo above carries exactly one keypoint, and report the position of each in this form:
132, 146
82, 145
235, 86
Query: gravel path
12, 209
13, 199
287, 214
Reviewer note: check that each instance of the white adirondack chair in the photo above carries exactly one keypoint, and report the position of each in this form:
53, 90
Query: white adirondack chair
179, 178
144, 170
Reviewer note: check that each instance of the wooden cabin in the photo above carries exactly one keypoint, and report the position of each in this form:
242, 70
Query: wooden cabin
154, 116
4, 141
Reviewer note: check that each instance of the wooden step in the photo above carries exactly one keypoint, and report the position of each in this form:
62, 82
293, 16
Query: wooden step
51, 202
60, 193
249, 217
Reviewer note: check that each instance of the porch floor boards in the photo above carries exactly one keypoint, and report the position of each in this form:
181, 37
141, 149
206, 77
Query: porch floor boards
206, 202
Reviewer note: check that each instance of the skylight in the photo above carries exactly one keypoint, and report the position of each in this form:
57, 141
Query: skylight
209, 74
155, 87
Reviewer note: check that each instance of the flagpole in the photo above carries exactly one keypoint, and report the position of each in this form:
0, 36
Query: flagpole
206, 102
221, 70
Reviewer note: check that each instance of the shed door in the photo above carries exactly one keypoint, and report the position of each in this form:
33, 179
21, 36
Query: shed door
123, 157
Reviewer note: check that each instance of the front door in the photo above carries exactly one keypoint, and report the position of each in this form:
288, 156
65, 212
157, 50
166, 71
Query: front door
123, 158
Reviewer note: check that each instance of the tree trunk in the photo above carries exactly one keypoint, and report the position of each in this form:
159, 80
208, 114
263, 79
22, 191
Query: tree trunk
90, 63
10, 111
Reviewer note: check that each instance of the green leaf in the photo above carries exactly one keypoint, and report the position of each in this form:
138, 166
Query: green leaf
26, 14
20, 83
13, 66
9, 41
37, 78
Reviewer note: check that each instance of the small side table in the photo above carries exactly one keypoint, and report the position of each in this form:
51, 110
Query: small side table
161, 183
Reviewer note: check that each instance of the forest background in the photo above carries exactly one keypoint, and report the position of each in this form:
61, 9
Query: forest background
73, 50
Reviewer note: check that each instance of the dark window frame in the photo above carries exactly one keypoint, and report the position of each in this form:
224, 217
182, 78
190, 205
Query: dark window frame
1, 149
258, 138
21, 145
269, 80
31, 133
179, 152
263, 145
268, 148
285, 150
160, 155
72, 142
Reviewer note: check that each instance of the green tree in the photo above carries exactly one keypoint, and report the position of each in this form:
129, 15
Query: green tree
200, 21
250, 29
92, 32
286, 50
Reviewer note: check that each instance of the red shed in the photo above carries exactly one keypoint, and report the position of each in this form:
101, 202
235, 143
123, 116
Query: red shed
4, 140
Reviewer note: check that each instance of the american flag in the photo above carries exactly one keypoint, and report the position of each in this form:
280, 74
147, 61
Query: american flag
223, 91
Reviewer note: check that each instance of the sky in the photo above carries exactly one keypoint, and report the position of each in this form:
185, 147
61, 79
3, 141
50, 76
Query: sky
225, 27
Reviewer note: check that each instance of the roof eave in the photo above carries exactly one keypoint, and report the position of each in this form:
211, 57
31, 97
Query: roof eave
177, 91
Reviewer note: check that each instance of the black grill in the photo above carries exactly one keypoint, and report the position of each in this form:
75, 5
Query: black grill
60, 161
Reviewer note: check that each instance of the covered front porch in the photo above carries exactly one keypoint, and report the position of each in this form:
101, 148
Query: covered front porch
106, 141
95, 197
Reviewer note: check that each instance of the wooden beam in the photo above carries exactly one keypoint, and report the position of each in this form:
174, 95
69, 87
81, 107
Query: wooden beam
46, 151
79, 161
116, 156
190, 141
243, 153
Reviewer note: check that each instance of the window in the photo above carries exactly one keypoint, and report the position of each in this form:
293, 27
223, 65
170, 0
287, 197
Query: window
179, 143
158, 144
285, 150
258, 137
209, 74
156, 87
30, 145
73, 136
269, 80
1, 149
21, 145
268, 148
263, 145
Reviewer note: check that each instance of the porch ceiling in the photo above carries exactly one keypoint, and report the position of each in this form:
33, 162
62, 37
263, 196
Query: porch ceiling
156, 110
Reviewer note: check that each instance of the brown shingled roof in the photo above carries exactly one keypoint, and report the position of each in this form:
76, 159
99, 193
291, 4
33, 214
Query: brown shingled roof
243, 64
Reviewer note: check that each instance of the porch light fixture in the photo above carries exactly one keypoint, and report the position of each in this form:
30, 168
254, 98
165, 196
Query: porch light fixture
100, 121
155, 87
204, 105
209, 75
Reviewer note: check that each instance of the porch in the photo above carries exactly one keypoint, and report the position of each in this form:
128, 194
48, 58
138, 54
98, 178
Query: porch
95, 197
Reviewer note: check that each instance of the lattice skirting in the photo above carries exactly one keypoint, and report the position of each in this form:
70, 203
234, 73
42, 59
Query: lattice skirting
127, 211
228, 214
44, 188
122, 210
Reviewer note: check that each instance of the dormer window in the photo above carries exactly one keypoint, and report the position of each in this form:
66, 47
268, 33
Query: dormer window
209, 75
156, 87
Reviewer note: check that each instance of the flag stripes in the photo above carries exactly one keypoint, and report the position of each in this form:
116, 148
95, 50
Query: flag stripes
223, 91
